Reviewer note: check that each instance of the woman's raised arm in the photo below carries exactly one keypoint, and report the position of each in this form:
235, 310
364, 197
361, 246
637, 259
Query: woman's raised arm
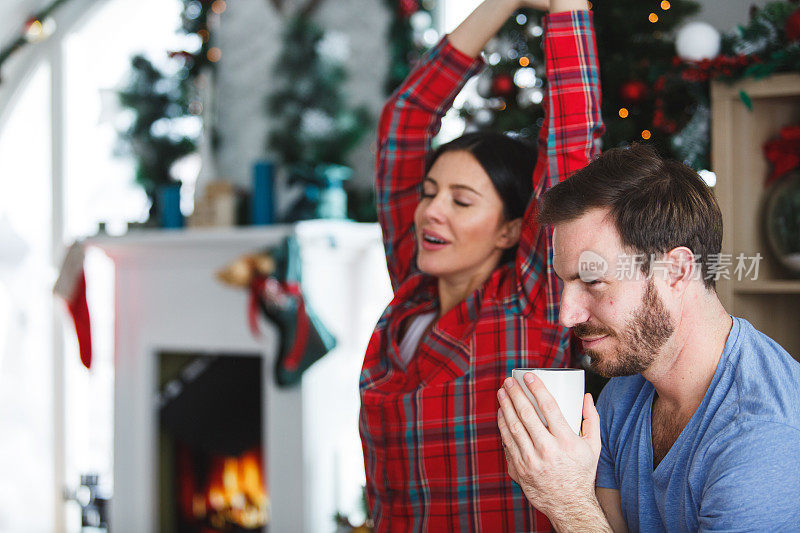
412, 117
567, 139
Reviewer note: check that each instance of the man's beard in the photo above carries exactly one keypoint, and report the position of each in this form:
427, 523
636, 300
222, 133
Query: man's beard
639, 342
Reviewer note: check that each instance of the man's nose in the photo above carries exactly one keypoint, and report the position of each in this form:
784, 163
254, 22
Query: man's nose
573, 310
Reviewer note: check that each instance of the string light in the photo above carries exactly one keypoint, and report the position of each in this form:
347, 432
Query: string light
38, 30
665, 5
646, 134
653, 18
214, 54
219, 7
623, 112
34, 30
204, 35
590, 5
524, 61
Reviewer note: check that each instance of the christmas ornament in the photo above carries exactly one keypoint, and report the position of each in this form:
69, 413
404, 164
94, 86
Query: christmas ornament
783, 197
421, 21
502, 85
783, 152
334, 47
407, 7
793, 26
483, 117
633, 91
782, 213
530, 96
525, 78
697, 41
484, 84
534, 30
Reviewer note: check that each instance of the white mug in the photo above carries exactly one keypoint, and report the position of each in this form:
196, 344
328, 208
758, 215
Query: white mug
565, 385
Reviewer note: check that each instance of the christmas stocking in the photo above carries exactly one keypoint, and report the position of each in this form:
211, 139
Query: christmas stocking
71, 287
303, 337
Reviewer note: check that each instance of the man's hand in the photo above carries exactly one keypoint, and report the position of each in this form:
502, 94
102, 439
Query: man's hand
554, 466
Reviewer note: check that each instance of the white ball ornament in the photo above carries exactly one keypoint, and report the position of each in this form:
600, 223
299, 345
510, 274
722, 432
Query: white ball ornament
421, 21
484, 84
697, 41
483, 117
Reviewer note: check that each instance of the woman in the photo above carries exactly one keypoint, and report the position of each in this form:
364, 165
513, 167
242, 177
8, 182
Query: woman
462, 316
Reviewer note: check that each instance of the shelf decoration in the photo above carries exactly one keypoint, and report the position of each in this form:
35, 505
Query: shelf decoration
783, 197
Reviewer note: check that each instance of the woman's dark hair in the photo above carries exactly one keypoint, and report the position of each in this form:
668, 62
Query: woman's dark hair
509, 164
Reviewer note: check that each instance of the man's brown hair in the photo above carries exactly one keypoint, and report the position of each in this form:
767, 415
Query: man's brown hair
657, 204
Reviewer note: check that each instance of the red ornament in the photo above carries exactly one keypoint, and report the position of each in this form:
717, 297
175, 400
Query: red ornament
793, 26
502, 85
633, 91
408, 7
783, 152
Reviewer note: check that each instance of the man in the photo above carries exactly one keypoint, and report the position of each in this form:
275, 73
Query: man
699, 427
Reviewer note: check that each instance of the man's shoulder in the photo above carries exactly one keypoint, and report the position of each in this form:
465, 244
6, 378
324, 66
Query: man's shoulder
751, 340
765, 377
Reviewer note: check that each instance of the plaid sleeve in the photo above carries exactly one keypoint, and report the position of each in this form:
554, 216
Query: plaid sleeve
408, 122
566, 141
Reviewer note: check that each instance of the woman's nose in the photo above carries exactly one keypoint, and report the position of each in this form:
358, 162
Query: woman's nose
434, 211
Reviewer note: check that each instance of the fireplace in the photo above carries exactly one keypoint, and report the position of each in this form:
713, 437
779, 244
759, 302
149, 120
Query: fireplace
172, 317
211, 465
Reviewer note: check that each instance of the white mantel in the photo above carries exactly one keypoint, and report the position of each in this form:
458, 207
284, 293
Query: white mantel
168, 299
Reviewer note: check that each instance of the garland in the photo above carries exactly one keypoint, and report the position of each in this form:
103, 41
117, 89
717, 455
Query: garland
37, 28
769, 43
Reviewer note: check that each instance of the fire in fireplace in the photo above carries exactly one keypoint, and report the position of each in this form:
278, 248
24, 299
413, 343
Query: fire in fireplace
212, 476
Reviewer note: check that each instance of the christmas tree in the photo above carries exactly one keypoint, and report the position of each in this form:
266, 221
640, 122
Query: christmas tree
156, 137
635, 49
410, 34
312, 125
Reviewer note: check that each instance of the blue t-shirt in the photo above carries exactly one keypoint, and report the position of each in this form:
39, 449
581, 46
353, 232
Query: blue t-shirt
736, 464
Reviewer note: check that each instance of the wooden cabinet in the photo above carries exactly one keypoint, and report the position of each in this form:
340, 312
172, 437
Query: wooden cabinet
772, 301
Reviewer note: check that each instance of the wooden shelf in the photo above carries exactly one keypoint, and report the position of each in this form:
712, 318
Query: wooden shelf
737, 138
782, 286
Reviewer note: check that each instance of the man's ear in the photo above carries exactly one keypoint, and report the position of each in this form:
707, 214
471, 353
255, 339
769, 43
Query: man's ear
509, 235
682, 268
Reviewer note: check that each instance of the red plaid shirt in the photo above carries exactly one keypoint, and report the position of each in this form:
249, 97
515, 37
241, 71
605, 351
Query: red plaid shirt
432, 450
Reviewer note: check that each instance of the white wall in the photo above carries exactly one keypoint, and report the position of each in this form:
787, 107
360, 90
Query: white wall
726, 14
